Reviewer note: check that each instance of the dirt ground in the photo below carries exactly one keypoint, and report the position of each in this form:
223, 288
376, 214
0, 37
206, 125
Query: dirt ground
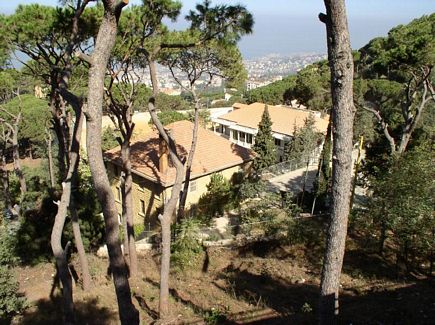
261, 283
27, 162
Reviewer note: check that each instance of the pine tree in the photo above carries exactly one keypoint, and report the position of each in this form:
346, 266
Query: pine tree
264, 143
304, 142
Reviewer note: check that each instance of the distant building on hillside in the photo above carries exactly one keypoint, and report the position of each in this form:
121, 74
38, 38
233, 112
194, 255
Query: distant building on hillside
154, 175
240, 125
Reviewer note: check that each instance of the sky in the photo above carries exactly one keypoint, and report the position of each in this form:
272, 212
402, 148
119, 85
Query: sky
289, 27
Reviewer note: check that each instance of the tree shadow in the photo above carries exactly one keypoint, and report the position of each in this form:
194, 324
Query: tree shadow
47, 312
287, 299
359, 263
178, 297
412, 304
297, 303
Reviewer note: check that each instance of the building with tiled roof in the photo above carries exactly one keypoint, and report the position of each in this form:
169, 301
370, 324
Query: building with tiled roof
241, 125
154, 175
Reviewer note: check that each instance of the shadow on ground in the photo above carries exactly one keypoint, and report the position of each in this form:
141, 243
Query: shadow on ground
48, 312
297, 303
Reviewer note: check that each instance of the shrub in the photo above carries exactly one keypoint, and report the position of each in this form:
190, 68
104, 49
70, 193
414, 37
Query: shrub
11, 302
108, 139
186, 247
168, 117
138, 229
306, 231
7, 247
33, 234
250, 188
217, 197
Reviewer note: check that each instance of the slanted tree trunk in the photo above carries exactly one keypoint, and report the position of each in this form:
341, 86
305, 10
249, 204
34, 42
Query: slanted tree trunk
86, 275
341, 65
59, 253
57, 128
166, 219
99, 60
185, 191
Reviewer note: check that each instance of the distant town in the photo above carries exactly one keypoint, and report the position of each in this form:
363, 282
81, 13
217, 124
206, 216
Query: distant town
264, 70
261, 72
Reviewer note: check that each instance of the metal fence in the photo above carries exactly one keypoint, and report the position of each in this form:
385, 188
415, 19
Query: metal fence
291, 165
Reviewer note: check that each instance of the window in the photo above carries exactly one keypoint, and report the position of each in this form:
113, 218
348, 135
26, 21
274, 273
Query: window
242, 136
235, 135
277, 142
118, 194
227, 130
192, 186
142, 207
249, 138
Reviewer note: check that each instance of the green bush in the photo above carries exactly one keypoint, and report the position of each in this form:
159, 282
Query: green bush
138, 229
108, 139
306, 231
33, 235
11, 302
217, 197
260, 218
186, 247
250, 189
7, 247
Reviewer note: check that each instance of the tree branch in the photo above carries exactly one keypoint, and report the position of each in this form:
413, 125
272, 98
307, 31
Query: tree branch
384, 127
119, 6
84, 57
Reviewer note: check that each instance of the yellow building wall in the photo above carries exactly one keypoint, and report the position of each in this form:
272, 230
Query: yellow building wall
154, 196
142, 189
201, 184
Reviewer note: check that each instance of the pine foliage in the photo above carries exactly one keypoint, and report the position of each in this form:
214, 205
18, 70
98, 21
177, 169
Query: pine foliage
304, 142
264, 143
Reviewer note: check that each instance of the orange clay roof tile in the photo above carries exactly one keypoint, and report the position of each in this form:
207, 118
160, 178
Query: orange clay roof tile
213, 153
284, 119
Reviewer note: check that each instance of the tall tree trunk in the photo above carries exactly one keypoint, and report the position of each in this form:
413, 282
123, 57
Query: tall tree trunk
383, 238
60, 254
49, 141
341, 65
16, 156
170, 205
99, 60
127, 206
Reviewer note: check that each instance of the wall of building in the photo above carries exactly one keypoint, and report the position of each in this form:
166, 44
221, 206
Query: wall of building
246, 138
198, 186
153, 195
143, 190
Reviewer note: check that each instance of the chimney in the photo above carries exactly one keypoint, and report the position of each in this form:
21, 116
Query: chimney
163, 155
